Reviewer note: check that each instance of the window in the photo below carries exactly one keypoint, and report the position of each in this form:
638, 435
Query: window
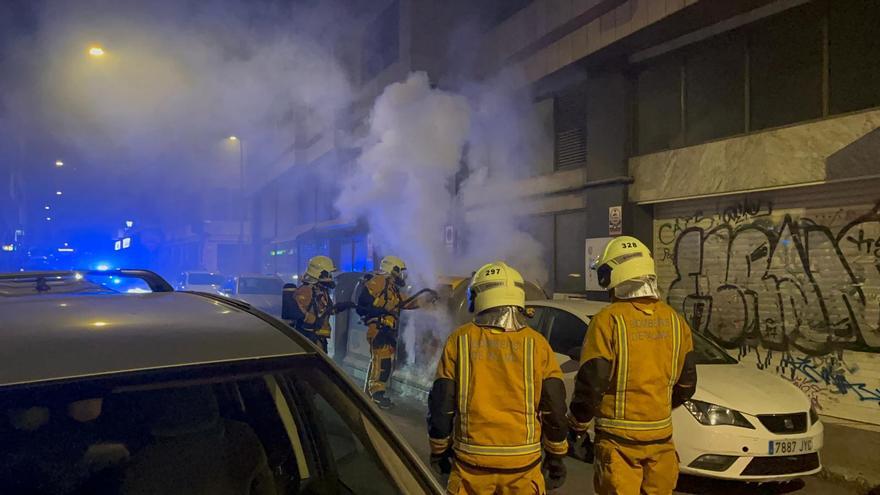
715, 89
659, 105
570, 126
707, 352
242, 428
571, 230
854, 55
339, 428
381, 46
535, 320
567, 332
785, 68
260, 285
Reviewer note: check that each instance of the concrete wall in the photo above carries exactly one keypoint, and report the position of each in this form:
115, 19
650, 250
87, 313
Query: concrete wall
788, 281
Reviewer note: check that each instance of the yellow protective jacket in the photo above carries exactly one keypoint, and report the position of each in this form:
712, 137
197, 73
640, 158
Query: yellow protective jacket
636, 365
380, 301
313, 309
498, 398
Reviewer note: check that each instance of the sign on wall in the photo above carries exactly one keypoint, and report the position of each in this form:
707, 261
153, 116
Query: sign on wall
615, 220
592, 250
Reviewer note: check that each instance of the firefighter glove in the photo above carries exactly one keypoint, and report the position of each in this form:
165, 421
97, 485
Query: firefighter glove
580, 446
554, 471
343, 306
441, 464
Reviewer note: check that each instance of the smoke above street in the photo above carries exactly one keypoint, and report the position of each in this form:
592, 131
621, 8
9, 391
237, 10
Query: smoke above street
174, 79
431, 157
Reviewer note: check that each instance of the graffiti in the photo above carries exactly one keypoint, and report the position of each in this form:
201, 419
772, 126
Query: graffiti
747, 277
870, 245
831, 371
729, 214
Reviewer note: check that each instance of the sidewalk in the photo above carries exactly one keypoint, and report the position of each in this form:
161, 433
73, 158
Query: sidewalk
852, 452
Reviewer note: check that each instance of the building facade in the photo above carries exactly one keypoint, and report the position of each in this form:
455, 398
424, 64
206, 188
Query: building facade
740, 138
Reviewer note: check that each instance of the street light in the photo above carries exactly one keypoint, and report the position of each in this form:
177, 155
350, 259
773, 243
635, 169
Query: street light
47, 207
59, 163
58, 193
96, 51
240, 142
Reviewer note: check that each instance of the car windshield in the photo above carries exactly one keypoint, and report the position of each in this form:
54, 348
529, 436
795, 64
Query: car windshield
285, 430
260, 285
707, 352
205, 279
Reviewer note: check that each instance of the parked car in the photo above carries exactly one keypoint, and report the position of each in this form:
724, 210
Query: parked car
178, 392
260, 291
201, 282
741, 424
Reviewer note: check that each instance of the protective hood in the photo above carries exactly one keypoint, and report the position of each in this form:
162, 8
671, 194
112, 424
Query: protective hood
507, 318
638, 287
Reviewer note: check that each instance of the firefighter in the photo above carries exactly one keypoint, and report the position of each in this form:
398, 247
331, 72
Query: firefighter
312, 305
379, 304
498, 399
637, 364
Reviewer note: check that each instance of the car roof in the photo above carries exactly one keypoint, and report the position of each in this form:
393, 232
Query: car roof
49, 337
581, 307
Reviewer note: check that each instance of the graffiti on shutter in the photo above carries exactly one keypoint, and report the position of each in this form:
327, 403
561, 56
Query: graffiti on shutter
795, 290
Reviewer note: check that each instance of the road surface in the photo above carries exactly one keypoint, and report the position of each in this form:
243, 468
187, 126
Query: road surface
408, 418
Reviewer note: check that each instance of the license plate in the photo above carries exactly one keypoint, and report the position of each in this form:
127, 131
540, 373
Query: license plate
791, 447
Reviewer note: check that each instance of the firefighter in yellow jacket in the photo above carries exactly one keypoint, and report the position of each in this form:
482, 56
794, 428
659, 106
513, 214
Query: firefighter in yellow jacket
498, 400
637, 364
312, 305
379, 304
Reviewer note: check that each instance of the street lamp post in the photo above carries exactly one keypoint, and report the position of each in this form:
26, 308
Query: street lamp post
241, 201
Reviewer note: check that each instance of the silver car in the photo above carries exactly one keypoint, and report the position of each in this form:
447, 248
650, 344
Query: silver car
147, 390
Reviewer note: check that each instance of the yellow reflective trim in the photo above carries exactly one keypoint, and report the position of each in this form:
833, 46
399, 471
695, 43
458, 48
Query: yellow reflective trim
464, 381
634, 425
676, 349
556, 447
534, 448
529, 381
622, 368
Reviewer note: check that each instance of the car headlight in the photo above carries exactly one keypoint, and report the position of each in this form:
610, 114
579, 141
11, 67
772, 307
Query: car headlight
814, 416
713, 414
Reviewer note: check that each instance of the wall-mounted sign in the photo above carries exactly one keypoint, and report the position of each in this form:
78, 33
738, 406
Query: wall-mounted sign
592, 251
126, 243
615, 220
117, 245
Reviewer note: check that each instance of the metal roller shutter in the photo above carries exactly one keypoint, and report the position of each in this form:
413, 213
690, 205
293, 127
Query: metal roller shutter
788, 278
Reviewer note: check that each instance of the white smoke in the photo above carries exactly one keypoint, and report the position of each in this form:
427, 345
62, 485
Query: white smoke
403, 184
402, 181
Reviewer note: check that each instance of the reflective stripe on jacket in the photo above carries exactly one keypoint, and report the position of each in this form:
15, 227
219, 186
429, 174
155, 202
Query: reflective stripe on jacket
506, 394
646, 342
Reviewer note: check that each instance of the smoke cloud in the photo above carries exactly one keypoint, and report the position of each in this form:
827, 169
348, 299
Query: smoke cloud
421, 140
177, 78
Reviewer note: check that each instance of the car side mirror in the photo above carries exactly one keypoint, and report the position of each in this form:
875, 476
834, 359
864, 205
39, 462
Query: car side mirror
574, 353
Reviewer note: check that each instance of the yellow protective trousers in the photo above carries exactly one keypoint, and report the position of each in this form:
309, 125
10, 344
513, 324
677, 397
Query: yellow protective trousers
469, 480
383, 351
624, 468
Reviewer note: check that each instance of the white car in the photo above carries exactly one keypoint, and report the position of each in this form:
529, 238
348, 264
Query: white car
201, 282
260, 291
741, 424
